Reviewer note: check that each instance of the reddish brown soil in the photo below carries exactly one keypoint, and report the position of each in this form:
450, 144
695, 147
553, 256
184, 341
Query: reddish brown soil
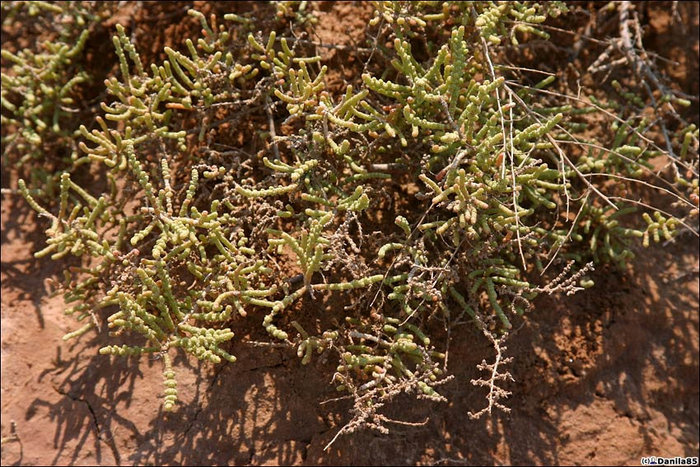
604, 377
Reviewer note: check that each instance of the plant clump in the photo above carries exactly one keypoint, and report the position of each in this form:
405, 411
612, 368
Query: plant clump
40, 90
518, 192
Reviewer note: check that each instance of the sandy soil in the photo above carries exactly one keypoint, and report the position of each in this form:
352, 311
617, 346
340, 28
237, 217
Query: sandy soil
604, 377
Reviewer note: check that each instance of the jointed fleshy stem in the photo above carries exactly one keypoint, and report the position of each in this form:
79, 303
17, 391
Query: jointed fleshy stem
195, 256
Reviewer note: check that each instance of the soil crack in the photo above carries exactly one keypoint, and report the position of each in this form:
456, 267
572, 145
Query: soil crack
200, 407
98, 431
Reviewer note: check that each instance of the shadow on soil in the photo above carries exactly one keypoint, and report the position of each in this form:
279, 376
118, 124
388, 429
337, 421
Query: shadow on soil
630, 342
